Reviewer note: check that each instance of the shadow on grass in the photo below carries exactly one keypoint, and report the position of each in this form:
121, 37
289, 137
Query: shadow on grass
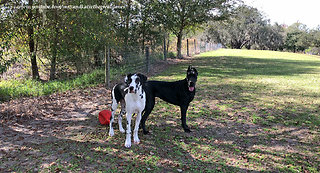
242, 144
215, 145
251, 100
232, 80
93, 151
228, 146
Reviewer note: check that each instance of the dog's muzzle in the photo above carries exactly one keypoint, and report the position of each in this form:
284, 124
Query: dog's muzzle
191, 86
131, 89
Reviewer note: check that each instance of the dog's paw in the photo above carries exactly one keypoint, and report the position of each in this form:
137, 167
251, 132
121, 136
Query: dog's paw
127, 144
137, 142
111, 132
122, 130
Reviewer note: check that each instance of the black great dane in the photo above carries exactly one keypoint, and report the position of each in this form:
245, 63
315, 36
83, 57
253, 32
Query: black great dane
179, 93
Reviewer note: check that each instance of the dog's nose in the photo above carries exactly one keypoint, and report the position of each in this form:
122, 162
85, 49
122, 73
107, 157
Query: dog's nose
131, 88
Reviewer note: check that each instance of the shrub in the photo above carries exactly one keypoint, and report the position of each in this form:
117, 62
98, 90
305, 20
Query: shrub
313, 51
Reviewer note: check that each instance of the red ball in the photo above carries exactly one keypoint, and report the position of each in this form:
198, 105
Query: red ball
104, 117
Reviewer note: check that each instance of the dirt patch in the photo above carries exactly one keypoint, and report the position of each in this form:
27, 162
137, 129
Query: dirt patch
30, 122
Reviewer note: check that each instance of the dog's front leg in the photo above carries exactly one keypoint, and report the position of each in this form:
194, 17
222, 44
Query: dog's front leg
128, 136
120, 123
122, 112
113, 109
184, 118
111, 132
136, 128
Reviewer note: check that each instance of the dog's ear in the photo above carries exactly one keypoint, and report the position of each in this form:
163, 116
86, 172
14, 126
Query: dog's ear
195, 70
127, 77
143, 77
190, 67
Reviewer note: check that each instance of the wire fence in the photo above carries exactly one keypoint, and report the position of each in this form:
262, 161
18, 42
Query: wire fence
145, 60
115, 60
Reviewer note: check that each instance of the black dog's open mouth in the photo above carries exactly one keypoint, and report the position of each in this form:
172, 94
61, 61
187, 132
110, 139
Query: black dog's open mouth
191, 88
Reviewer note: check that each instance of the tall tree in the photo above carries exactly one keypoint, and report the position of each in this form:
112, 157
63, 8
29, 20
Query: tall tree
316, 35
180, 15
31, 42
297, 37
240, 30
54, 45
269, 37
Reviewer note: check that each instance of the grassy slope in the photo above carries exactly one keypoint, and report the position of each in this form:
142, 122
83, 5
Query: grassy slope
263, 97
277, 86
253, 111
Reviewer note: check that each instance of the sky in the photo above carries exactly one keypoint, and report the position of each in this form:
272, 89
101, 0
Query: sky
289, 11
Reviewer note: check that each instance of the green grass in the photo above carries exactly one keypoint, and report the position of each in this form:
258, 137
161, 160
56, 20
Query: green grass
280, 87
12, 89
254, 111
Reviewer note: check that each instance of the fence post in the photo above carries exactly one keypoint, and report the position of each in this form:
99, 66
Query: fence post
195, 46
147, 59
107, 67
164, 47
188, 47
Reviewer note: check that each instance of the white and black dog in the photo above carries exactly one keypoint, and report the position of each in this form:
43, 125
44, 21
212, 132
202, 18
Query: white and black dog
179, 93
132, 97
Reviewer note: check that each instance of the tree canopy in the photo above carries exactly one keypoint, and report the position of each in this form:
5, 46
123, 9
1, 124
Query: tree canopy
59, 33
249, 28
178, 16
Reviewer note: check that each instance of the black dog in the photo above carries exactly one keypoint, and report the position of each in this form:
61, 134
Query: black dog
179, 93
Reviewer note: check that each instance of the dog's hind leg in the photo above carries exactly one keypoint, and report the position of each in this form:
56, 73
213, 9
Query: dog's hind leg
122, 112
113, 110
128, 136
136, 128
148, 109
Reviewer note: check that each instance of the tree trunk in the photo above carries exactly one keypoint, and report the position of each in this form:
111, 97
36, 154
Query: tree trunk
97, 59
33, 57
243, 43
143, 36
96, 54
54, 58
126, 34
179, 43
54, 47
168, 44
164, 47
181, 27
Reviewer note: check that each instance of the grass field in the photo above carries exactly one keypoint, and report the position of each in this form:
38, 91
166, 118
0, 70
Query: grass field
253, 111
12, 89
